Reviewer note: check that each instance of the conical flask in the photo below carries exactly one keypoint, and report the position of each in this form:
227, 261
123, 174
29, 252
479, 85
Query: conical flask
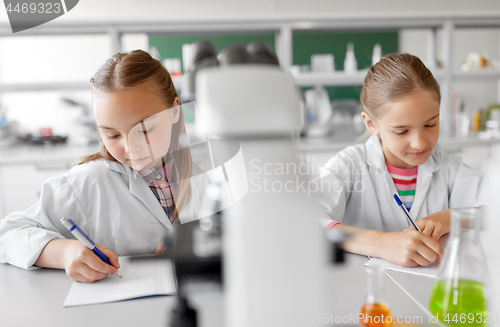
375, 312
459, 296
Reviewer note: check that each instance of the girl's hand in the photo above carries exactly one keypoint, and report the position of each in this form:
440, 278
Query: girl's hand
409, 249
435, 225
82, 265
160, 249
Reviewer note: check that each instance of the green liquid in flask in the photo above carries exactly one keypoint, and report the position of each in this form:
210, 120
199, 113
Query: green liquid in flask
463, 305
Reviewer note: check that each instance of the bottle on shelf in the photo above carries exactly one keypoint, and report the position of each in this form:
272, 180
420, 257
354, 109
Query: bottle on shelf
350, 62
322, 62
377, 54
478, 121
454, 113
463, 121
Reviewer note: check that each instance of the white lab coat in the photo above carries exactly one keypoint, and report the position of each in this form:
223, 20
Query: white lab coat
106, 199
356, 188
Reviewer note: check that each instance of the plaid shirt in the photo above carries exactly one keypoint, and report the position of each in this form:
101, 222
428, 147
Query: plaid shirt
157, 181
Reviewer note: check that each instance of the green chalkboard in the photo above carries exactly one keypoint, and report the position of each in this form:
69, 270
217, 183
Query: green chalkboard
307, 43
304, 45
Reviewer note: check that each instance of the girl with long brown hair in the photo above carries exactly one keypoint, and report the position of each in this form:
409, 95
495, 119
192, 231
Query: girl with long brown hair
127, 196
401, 100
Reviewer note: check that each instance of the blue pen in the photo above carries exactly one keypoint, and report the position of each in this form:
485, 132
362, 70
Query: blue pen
82, 237
407, 214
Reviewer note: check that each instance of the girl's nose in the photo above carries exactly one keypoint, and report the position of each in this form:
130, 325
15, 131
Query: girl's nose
418, 142
131, 145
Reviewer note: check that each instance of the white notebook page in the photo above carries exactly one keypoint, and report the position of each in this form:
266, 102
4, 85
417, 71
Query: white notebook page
144, 277
430, 271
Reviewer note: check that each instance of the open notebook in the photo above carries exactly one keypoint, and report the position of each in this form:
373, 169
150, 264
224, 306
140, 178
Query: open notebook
141, 278
430, 271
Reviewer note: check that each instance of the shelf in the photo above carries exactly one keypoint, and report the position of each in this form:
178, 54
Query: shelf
477, 75
338, 78
342, 79
59, 86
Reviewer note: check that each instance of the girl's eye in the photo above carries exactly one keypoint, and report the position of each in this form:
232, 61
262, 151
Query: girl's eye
148, 130
112, 136
431, 125
400, 133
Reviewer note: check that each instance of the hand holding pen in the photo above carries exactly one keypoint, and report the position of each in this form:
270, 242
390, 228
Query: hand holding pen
418, 247
435, 225
84, 265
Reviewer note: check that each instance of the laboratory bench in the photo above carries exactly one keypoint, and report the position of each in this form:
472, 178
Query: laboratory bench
35, 298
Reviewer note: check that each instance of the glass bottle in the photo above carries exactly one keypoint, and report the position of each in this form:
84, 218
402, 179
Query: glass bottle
459, 294
375, 312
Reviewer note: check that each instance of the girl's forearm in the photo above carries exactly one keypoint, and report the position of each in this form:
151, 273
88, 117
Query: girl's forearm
52, 256
361, 241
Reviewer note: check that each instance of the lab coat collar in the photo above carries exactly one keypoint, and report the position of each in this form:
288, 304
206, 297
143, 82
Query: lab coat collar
375, 157
424, 176
430, 166
116, 166
374, 154
140, 190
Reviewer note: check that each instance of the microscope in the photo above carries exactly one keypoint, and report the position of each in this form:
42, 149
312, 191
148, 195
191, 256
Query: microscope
273, 252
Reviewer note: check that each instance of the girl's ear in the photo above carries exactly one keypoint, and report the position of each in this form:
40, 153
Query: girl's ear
370, 124
176, 110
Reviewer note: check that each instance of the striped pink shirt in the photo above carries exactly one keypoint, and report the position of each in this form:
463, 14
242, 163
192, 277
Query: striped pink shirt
405, 181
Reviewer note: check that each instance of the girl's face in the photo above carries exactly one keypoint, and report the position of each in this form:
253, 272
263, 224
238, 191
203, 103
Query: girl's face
135, 125
408, 129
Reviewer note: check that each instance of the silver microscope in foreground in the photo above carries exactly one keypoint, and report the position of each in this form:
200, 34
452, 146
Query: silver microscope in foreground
275, 253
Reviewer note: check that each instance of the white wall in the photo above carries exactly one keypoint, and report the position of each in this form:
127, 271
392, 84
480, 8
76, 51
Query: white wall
161, 10
46, 59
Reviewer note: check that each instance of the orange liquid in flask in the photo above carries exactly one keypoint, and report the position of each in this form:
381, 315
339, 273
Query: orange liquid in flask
376, 315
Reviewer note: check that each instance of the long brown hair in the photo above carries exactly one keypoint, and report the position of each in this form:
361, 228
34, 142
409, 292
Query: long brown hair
137, 69
394, 77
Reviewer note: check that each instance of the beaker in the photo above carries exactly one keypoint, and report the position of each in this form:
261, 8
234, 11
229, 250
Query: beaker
459, 294
375, 312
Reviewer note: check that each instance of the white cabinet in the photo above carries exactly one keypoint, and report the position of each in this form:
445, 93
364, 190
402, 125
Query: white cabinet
21, 184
